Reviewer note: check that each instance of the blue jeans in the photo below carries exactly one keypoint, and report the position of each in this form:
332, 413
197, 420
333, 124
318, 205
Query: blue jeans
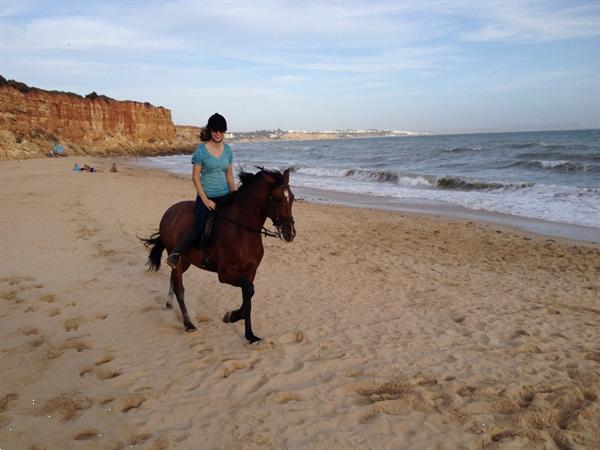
200, 214
201, 211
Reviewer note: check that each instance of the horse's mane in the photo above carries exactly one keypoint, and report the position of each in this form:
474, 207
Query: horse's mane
247, 178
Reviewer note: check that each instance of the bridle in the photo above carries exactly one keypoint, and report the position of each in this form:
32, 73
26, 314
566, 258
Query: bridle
278, 222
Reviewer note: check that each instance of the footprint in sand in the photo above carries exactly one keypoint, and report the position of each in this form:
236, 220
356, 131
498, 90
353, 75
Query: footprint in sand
502, 435
457, 318
200, 318
232, 366
84, 232
49, 298
72, 324
525, 399
107, 374
159, 444
283, 397
68, 405
76, 344
53, 353
236, 365
7, 400
37, 342
86, 435
102, 250
29, 331
12, 296
4, 421
12, 281
54, 312
294, 337
130, 402
106, 359
85, 371
139, 440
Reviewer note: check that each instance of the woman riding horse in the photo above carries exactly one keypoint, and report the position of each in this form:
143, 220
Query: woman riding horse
237, 250
212, 175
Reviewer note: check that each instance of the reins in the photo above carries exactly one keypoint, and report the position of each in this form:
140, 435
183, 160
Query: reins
264, 231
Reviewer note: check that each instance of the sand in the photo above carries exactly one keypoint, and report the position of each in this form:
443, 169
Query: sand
381, 329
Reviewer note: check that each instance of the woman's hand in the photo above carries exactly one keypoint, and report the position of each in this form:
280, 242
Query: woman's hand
210, 204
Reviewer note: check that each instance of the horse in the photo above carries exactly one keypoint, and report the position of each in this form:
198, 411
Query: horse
237, 249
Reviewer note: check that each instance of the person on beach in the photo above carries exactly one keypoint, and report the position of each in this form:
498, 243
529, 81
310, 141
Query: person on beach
212, 175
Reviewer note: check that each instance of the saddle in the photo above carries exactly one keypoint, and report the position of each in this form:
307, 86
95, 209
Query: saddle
209, 233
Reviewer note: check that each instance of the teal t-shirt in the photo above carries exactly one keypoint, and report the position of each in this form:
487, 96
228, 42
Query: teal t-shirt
214, 170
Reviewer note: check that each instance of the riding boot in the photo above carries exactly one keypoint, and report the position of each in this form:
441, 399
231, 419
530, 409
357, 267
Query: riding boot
174, 257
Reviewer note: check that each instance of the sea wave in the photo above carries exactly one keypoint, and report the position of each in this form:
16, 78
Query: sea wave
556, 165
464, 184
392, 177
449, 182
322, 171
523, 144
384, 176
462, 149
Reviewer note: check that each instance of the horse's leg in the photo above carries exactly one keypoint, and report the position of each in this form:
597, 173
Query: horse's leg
171, 293
245, 311
177, 279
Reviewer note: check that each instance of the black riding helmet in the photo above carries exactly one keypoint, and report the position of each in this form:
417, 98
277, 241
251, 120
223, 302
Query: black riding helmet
217, 122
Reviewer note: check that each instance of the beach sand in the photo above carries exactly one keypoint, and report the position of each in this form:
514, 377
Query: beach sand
381, 329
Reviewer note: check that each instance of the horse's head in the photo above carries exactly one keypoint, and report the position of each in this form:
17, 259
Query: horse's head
279, 207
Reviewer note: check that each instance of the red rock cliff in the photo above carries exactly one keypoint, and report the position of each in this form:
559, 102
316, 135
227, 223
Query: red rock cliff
32, 120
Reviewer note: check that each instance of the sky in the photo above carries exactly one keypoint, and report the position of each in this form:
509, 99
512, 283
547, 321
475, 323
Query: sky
427, 66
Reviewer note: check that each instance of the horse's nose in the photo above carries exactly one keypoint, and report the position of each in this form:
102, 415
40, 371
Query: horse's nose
290, 234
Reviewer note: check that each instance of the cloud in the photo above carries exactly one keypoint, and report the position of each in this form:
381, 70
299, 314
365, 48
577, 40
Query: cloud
532, 21
186, 53
79, 33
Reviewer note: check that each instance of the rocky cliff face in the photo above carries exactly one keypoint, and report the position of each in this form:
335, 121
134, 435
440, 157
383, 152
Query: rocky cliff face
33, 120
187, 137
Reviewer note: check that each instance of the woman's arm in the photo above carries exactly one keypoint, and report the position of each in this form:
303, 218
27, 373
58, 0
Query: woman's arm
230, 178
196, 174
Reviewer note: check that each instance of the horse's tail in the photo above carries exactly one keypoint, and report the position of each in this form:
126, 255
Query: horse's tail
156, 248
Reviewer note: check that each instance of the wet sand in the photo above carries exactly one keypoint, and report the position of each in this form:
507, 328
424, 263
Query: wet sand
381, 329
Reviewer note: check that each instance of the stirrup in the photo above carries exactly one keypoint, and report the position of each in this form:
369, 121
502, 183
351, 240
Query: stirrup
174, 259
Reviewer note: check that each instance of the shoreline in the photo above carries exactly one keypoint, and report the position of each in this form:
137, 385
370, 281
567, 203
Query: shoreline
444, 210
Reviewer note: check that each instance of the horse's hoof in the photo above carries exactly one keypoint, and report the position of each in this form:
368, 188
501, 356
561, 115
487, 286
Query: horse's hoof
190, 327
252, 339
227, 317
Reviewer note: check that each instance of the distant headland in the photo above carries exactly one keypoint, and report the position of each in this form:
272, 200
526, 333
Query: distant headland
296, 135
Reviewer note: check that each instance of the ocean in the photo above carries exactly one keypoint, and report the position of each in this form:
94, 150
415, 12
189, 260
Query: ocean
552, 176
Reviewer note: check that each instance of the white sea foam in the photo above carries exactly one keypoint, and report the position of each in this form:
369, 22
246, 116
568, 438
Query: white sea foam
552, 203
322, 171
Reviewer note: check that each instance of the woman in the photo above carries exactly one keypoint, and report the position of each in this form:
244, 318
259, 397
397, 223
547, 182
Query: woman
212, 174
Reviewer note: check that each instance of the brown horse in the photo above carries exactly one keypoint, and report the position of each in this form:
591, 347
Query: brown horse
237, 249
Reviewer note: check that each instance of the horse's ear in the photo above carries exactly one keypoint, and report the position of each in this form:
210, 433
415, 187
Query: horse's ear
286, 176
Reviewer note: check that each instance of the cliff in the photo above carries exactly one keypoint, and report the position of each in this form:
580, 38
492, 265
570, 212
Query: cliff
187, 137
33, 120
